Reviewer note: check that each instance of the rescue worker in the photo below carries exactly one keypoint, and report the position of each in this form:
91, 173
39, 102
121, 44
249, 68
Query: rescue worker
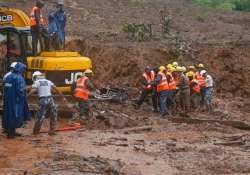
162, 90
15, 106
194, 91
209, 90
202, 84
12, 67
191, 70
148, 88
82, 91
46, 101
200, 67
184, 90
37, 26
171, 102
57, 23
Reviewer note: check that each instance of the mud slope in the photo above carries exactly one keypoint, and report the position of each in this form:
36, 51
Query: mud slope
121, 64
220, 40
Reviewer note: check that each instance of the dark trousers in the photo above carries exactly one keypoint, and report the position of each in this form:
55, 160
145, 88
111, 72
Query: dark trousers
84, 109
163, 97
171, 101
144, 94
41, 36
203, 93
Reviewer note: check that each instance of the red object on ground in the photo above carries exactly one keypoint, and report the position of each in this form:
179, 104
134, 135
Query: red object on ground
71, 127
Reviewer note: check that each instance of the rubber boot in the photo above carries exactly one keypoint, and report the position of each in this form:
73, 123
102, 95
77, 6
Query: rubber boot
11, 133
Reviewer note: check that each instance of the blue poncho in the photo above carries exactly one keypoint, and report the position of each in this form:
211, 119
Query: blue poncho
15, 106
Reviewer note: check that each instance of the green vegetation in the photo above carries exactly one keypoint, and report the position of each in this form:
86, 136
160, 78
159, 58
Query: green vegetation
240, 5
137, 32
201, 17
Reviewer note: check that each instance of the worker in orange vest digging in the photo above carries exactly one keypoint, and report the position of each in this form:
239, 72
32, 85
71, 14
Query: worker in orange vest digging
82, 91
147, 88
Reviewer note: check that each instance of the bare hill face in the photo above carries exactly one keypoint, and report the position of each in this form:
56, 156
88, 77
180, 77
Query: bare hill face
218, 39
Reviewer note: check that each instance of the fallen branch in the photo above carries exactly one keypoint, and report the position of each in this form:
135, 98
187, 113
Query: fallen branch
230, 143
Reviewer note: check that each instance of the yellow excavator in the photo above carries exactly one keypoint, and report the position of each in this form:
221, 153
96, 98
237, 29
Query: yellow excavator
61, 67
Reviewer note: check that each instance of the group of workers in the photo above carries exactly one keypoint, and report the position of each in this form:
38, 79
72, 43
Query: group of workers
177, 89
15, 105
53, 35
173, 88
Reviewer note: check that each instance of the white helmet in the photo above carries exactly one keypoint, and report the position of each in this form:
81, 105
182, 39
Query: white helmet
13, 65
36, 74
203, 72
175, 64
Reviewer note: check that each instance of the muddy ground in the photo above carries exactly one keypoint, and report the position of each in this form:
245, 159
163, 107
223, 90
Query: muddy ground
120, 140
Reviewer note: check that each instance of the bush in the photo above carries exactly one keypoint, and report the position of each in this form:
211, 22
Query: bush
241, 5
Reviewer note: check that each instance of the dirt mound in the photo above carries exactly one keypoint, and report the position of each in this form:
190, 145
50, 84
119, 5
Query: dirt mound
74, 164
116, 116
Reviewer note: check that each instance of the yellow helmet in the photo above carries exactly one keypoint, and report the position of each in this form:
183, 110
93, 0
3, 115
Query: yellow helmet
88, 71
190, 74
175, 64
169, 66
172, 69
200, 65
162, 68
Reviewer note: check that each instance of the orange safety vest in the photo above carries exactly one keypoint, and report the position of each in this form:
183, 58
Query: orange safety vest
81, 91
149, 79
33, 19
163, 85
196, 88
201, 80
172, 83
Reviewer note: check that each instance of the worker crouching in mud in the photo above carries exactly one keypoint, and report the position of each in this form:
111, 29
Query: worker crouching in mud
82, 91
46, 101
147, 88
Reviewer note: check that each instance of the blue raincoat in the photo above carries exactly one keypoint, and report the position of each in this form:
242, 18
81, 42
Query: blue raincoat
57, 22
15, 106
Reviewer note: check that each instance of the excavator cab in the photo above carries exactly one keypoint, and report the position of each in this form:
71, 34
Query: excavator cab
61, 67
17, 45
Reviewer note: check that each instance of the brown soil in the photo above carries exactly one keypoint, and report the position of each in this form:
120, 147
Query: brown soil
103, 145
